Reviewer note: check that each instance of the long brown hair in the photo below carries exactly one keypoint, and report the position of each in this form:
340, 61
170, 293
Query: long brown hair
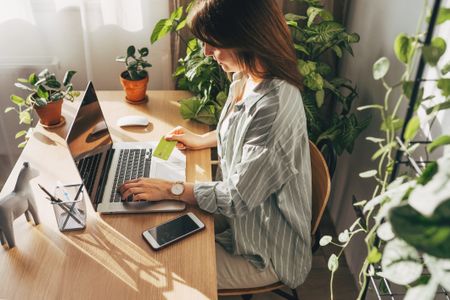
255, 29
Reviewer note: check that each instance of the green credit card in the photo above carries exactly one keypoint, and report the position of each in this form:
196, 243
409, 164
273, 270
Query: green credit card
164, 149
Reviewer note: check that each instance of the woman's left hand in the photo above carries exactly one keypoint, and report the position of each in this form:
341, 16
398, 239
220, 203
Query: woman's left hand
146, 189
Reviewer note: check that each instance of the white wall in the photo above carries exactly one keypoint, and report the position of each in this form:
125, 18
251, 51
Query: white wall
378, 23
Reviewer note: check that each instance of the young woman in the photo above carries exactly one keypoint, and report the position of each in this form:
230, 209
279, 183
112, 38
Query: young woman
264, 199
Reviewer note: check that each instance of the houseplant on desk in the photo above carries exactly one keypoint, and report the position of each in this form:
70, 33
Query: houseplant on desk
135, 79
46, 95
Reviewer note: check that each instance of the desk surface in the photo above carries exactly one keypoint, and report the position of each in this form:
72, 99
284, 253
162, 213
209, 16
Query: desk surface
109, 259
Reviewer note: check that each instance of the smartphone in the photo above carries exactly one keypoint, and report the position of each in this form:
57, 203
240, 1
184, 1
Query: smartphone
173, 230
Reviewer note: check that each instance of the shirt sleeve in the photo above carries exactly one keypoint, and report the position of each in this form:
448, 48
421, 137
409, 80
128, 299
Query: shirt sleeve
262, 172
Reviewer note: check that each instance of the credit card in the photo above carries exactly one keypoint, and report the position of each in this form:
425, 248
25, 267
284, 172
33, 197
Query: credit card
164, 149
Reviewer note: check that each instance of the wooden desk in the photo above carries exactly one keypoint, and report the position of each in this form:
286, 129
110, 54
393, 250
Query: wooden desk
109, 259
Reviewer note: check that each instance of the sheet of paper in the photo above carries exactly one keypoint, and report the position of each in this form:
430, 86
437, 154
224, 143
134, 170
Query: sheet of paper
164, 149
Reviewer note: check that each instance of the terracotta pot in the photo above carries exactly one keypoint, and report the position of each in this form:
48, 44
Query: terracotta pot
134, 89
50, 114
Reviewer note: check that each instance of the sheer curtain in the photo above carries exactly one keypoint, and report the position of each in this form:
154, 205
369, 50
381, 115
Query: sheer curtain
83, 35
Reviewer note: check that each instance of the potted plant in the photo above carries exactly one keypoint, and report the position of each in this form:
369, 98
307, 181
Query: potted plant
46, 95
135, 79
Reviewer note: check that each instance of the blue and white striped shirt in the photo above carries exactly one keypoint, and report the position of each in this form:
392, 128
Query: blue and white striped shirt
266, 189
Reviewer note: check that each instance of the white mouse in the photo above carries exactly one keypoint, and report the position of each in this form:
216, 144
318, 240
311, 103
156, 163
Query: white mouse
132, 121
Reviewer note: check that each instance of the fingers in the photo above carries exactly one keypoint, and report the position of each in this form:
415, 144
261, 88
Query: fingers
136, 194
176, 131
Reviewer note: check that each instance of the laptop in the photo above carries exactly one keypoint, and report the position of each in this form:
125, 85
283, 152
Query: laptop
104, 165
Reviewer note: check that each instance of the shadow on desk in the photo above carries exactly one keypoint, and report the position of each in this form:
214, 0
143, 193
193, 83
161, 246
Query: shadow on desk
131, 270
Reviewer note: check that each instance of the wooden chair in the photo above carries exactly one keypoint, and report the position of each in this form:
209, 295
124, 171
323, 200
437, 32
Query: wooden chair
320, 194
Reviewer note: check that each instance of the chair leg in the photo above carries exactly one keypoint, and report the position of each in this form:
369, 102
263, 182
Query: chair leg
247, 297
286, 295
294, 292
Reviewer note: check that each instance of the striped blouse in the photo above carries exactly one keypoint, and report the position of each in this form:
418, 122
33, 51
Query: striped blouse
265, 194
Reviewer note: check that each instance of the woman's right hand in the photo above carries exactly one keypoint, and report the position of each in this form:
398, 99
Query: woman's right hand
186, 139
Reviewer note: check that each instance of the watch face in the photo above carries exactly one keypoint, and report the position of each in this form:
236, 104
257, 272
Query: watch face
177, 189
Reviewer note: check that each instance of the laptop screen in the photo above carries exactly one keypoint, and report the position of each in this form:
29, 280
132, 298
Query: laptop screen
89, 133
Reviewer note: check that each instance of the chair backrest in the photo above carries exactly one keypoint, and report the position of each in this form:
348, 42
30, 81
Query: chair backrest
320, 186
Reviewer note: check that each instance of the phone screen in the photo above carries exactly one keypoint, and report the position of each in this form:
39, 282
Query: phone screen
172, 230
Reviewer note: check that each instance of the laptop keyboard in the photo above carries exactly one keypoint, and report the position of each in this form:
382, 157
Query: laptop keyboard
88, 168
133, 163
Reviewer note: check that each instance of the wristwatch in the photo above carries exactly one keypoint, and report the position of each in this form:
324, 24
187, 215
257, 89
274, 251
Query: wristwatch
177, 189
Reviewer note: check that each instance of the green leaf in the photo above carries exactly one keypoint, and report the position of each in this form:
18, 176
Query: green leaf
428, 173
8, 109
337, 50
320, 96
375, 106
131, 50
21, 133
374, 139
176, 14
121, 59
181, 25
374, 255
190, 107
68, 76
384, 149
380, 68
433, 52
292, 23
294, 17
25, 118
353, 38
207, 115
306, 67
44, 73
400, 262
440, 141
325, 32
438, 107
42, 93
407, 87
333, 263
314, 81
22, 145
325, 240
443, 15
53, 84
41, 102
143, 51
444, 85
32, 79
312, 13
301, 49
403, 48
428, 234
24, 87
411, 128
368, 174
162, 28
391, 123
17, 100
445, 69
221, 98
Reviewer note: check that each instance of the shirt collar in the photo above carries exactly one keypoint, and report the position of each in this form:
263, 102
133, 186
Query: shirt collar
262, 89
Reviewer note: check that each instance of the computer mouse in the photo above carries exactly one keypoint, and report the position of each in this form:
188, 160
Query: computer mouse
132, 121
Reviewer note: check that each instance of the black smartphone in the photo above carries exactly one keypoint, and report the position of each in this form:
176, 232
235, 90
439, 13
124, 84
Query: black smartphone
173, 230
